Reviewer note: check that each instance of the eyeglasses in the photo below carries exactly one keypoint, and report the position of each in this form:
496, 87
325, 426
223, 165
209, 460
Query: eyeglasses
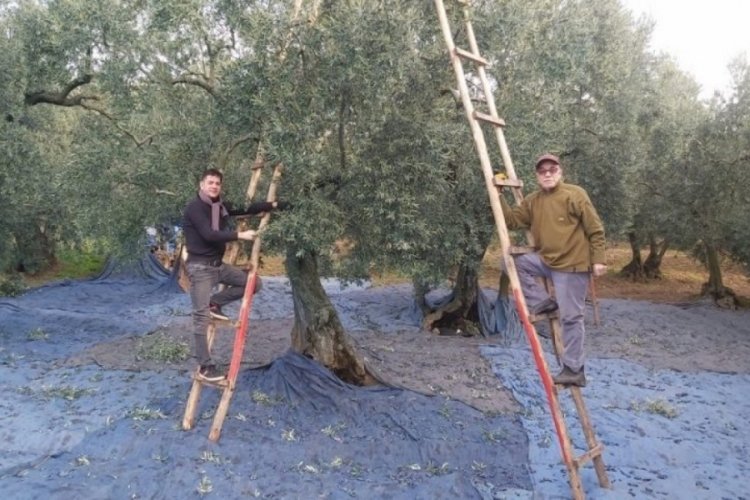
552, 170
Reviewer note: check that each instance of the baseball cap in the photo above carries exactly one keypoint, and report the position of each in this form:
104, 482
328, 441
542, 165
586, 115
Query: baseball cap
547, 157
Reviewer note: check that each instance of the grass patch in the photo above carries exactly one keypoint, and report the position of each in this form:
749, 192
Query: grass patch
144, 413
656, 406
263, 399
158, 346
11, 285
332, 431
37, 334
71, 264
66, 392
205, 486
210, 457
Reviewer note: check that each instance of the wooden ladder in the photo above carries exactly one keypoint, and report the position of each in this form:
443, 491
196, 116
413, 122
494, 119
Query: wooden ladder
494, 185
228, 385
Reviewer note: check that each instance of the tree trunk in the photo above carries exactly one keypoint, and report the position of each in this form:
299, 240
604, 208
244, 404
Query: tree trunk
723, 296
634, 269
317, 331
35, 248
652, 266
460, 314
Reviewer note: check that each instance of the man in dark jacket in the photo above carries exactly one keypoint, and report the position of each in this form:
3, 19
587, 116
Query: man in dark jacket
569, 239
205, 221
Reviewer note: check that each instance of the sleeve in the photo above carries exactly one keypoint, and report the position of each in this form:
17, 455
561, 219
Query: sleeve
518, 217
252, 209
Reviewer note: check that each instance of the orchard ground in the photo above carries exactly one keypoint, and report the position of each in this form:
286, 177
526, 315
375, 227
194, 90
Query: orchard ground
89, 412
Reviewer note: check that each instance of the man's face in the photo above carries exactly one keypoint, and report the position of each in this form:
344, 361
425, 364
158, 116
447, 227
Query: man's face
211, 186
548, 175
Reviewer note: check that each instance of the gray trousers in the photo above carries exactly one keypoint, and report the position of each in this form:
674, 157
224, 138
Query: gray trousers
203, 279
570, 293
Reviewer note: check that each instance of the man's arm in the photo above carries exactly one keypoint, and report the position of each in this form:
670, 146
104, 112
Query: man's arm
518, 217
259, 207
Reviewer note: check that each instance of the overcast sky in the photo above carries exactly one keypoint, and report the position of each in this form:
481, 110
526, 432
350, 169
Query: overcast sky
703, 35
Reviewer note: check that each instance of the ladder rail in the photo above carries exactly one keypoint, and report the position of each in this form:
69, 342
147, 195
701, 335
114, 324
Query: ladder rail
490, 99
240, 335
502, 231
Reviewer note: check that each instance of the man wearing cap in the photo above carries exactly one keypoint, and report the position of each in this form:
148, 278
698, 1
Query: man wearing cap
569, 242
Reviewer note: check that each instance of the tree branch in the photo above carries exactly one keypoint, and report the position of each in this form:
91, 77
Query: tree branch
61, 98
138, 142
196, 81
232, 146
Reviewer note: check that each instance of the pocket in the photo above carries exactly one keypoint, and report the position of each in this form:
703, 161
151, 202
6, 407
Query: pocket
193, 268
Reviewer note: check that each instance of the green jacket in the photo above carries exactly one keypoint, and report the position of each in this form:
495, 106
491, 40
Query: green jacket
567, 231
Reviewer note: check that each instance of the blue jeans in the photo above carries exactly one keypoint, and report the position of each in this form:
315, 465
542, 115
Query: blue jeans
203, 279
570, 292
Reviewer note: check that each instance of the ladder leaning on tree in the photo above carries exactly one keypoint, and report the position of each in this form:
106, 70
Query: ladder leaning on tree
228, 384
494, 184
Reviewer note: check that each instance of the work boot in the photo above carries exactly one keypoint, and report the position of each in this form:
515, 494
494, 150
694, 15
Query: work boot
569, 377
548, 305
216, 313
210, 373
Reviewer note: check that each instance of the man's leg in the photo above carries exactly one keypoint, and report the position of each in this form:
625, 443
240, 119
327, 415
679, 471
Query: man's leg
235, 280
529, 267
202, 280
570, 289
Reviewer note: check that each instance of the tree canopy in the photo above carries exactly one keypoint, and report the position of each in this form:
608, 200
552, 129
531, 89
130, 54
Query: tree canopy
113, 108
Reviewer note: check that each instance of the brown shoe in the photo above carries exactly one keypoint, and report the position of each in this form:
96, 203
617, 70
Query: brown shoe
217, 313
568, 377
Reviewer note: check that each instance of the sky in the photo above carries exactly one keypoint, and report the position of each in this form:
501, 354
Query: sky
703, 35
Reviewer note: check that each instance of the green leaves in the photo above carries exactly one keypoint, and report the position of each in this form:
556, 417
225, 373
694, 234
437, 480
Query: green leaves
355, 101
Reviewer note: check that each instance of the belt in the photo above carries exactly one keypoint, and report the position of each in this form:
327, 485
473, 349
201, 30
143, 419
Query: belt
206, 261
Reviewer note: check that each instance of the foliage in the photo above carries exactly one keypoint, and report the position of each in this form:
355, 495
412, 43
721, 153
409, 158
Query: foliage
11, 285
112, 109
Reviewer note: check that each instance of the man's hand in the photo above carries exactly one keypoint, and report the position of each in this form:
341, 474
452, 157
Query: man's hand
600, 269
248, 235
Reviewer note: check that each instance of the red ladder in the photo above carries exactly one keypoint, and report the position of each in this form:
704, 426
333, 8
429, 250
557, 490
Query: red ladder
229, 384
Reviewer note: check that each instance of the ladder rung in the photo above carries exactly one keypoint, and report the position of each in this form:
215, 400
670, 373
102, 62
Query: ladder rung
520, 250
471, 56
534, 318
499, 122
516, 183
589, 455
219, 383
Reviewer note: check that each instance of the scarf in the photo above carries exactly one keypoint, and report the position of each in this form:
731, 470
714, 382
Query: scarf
218, 209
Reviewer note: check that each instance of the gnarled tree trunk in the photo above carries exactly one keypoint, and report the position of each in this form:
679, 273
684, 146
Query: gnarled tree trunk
722, 295
652, 266
317, 331
459, 315
36, 248
634, 268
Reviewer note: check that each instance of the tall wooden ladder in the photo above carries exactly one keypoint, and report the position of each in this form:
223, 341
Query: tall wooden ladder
228, 385
494, 184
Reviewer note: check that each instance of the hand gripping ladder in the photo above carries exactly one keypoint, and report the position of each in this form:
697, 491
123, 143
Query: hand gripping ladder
494, 184
228, 385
